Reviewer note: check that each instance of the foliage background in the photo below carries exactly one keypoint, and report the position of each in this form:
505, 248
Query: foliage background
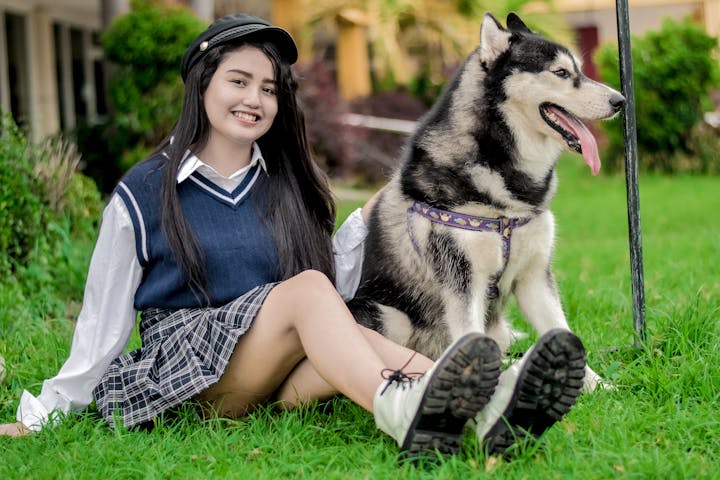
675, 71
145, 92
22, 219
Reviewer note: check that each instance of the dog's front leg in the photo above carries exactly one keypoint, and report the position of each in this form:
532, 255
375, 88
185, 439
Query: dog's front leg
464, 314
539, 302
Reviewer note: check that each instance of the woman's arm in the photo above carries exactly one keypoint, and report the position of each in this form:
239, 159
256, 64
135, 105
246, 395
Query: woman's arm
103, 327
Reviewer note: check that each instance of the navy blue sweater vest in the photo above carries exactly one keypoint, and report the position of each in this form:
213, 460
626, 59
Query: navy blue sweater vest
239, 251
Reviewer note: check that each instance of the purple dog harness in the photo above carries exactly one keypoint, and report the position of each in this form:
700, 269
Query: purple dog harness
503, 226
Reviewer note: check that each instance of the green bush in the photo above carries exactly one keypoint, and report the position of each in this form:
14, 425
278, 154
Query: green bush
149, 42
22, 219
55, 162
145, 48
45, 207
84, 206
674, 71
57, 266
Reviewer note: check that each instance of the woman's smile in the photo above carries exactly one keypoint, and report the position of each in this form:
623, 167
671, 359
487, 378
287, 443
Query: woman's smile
246, 117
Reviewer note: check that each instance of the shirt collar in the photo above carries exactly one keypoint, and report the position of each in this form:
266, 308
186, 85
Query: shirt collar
190, 163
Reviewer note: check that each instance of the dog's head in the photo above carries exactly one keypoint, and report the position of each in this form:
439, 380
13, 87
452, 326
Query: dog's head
542, 89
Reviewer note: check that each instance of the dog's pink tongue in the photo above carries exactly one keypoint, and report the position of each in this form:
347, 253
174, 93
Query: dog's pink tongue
587, 140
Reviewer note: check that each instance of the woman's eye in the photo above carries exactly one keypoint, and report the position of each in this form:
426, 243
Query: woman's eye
562, 73
239, 82
268, 90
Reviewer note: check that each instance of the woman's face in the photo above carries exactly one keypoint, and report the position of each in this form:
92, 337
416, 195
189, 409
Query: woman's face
240, 100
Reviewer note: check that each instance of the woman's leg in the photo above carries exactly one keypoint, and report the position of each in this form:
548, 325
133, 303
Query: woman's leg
304, 384
304, 317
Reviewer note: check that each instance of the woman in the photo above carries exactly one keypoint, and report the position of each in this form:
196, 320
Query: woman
222, 240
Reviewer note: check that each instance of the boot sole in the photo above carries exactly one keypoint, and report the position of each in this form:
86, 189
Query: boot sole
546, 389
461, 386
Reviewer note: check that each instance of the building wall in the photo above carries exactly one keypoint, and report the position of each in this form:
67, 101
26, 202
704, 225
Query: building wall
594, 27
642, 18
52, 73
49, 57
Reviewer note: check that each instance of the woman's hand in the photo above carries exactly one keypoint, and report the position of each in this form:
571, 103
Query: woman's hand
13, 429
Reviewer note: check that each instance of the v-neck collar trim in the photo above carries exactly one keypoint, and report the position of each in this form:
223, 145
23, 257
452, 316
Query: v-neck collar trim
232, 198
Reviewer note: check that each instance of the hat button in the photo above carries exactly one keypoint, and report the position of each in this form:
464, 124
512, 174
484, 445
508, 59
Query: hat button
204, 46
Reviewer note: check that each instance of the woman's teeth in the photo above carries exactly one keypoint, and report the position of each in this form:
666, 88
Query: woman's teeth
245, 116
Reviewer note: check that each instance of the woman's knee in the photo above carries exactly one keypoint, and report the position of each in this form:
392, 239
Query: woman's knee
294, 298
310, 286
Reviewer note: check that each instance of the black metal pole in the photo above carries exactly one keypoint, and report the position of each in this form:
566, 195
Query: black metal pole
631, 172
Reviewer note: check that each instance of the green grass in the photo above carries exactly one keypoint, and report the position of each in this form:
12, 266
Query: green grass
662, 421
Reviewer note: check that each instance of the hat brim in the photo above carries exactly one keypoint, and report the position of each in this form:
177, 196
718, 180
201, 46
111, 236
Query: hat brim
275, 35
251, 32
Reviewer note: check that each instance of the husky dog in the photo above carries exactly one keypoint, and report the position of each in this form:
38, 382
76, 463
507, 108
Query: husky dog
465, 221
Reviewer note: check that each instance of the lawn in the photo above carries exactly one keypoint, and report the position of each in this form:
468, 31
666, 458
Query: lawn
661, 420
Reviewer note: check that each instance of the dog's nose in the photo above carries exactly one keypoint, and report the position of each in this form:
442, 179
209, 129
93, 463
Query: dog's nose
617, 102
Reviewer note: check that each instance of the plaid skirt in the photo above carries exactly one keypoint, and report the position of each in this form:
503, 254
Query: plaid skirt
183, 353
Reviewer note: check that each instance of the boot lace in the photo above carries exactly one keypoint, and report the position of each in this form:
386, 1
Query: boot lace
399, 376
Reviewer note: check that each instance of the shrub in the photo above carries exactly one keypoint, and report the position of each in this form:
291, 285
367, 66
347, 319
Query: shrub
57, 265
84, 206
22, 219
148, 43
70, 206
71, 196
146, 46
674, 72
145, 91
46, 206
55, 164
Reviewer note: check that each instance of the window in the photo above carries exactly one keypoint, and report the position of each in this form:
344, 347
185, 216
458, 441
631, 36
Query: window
15, 79
80, 76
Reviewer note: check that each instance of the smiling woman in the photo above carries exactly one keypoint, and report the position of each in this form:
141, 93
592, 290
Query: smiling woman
222, 240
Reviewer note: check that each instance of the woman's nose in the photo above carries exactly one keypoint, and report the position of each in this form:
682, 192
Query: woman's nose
252, 98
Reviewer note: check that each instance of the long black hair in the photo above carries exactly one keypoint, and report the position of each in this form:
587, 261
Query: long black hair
301, 214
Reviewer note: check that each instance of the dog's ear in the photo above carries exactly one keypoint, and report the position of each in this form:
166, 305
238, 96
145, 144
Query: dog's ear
494, 39
514, 24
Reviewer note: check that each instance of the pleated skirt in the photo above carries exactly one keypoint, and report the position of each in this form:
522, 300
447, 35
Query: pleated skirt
183, 353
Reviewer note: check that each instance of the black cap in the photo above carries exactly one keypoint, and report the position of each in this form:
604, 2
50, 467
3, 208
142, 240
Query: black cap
234, 27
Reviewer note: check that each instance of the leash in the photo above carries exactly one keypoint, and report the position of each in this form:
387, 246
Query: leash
503, 226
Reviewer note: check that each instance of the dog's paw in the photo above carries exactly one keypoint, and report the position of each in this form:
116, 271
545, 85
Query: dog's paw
593, 382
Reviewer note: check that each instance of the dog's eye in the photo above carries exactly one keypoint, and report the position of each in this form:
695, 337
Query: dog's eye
562, 73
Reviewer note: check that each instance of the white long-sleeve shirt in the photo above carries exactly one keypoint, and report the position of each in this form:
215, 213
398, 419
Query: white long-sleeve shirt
108, 316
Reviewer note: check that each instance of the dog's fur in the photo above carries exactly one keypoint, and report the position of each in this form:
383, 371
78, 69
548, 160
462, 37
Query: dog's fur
487, 148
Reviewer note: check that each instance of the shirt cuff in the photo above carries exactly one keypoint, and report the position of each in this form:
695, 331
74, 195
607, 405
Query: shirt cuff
32, 413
